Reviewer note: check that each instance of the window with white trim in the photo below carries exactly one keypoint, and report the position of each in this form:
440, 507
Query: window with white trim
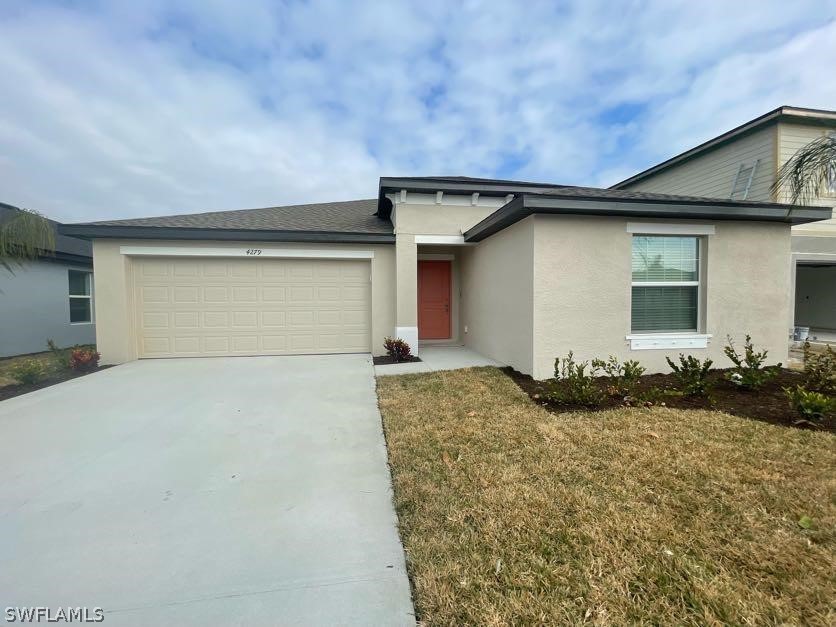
831, 170
81, 296
665, 284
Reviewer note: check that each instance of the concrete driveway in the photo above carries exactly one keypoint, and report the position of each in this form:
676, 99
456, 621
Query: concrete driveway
226, 491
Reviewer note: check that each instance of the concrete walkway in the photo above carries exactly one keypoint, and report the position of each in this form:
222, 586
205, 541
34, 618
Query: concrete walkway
438, 358
226, 491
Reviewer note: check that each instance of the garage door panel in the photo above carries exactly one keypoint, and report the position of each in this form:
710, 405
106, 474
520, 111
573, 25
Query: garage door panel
216, 344
215, 319
187, 269
245, 319
186, 320
154, 294
272, 319
155, 320
215, 294
273, 294
186, 345
186, 294
193, 307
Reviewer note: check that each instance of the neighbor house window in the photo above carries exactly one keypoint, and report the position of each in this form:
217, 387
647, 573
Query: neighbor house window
831, 170
81, 296
666, 283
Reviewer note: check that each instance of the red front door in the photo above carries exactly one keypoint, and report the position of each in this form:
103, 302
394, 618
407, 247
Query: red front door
434, 297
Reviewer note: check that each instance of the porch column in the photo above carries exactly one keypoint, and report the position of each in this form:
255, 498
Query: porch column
406, 267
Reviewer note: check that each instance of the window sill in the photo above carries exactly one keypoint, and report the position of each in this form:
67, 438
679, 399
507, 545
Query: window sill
81, 324
662, 341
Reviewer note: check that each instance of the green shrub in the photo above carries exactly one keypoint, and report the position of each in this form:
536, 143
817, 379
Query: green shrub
27, 371
623, 376
820, 370
60, 356
692, 374
575, 385
811, 405
749, 371
397, 349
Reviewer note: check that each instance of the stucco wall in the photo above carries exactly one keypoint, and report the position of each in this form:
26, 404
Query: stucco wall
445, 219
113, 288
497, 296
420, 215
34, 307
582, 287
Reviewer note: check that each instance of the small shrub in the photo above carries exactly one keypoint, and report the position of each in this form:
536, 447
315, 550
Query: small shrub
60, 356
576, 385
820, 370
692, 374
749, 371
27, 371
624, 376
811, 405
84, 359
397, 349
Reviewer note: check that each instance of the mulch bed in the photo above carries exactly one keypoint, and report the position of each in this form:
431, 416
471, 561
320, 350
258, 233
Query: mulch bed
10, 391
768, 404
385, 360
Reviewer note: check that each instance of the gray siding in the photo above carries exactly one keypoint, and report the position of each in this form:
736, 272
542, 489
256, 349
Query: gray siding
712, 174
34, 307
792, 137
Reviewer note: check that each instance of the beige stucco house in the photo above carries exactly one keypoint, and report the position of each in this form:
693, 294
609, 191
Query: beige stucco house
519, 272
743, 164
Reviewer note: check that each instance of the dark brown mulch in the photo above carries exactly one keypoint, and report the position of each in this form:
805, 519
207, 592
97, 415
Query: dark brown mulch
10, 391
767, 404
385, 360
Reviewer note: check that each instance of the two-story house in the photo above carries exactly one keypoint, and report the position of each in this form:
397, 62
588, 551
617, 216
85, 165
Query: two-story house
743, 164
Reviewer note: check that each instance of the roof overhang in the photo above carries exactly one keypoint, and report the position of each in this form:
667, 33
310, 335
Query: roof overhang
793, 115
529, 204
101, 231
390, 185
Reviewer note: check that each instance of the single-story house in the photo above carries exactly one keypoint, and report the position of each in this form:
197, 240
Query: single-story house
50, 297
520, 272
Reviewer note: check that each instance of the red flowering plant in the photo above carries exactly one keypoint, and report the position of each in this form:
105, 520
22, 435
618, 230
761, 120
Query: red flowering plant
84, 359
397, 349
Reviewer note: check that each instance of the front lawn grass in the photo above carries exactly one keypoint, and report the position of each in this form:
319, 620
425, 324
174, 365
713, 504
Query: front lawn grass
510, 514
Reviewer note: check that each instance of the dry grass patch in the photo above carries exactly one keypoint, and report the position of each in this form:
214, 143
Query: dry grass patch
510, 514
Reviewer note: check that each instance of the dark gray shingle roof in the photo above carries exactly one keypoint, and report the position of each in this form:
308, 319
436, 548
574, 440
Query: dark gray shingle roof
351, 216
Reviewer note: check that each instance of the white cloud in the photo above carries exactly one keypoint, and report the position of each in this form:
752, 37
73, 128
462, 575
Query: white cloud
133, 108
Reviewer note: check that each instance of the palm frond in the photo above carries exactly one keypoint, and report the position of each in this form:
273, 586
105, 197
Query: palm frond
25, 236
807, 174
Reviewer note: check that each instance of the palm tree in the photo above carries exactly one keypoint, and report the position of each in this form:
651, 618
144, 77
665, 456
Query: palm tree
810, 172
24, 234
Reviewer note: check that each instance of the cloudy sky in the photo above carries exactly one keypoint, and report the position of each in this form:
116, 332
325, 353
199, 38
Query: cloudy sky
144, 107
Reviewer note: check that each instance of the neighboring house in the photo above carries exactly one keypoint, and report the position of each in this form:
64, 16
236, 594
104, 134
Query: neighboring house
520, 272
47, 298
743, 164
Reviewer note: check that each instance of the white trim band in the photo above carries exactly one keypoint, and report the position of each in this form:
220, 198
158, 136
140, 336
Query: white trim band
254, 252
669, 228
661, 341
408, 335
450, 240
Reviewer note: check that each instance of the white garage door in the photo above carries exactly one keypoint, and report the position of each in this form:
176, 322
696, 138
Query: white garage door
189, 307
